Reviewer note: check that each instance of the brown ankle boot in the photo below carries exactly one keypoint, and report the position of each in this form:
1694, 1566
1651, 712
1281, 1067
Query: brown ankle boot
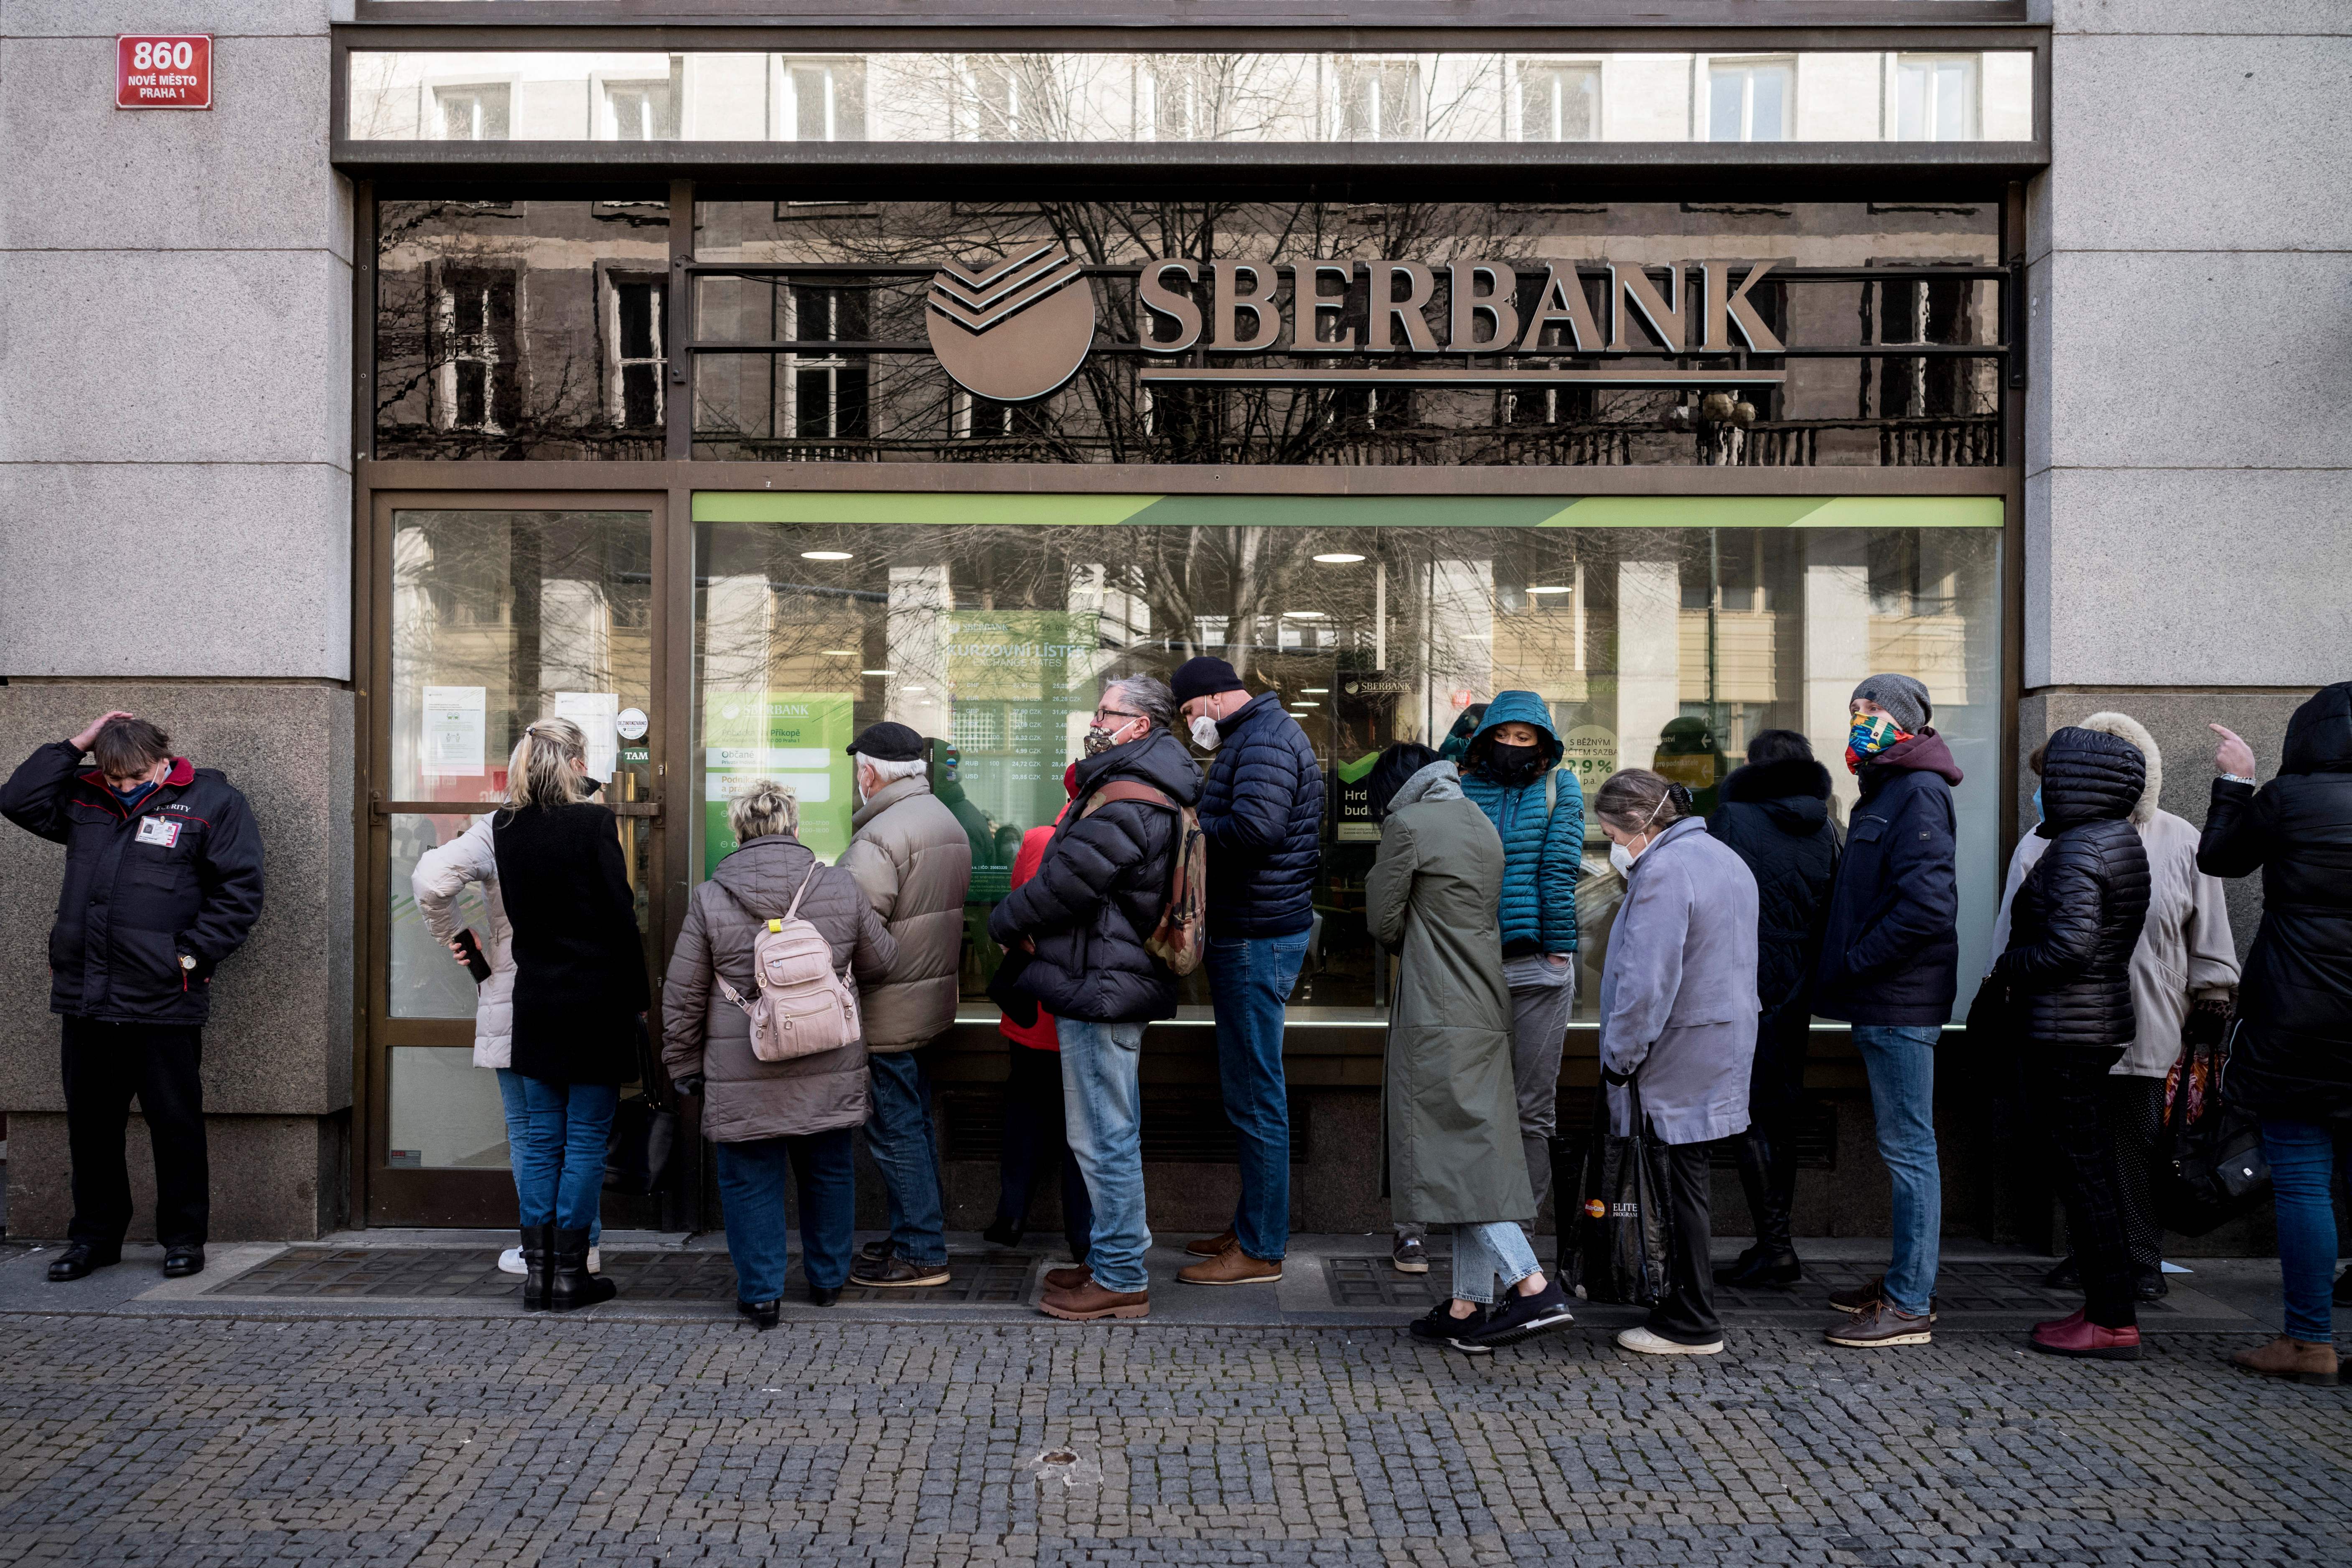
2298, 1360
1090, 1302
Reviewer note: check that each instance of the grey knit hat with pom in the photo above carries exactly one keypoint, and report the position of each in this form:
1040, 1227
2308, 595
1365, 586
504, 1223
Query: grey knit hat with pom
1904, 699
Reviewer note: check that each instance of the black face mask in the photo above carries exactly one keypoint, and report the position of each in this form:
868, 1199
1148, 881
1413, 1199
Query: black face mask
1514, 764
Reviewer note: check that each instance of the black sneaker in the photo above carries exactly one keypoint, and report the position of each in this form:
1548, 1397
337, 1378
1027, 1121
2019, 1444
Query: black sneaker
2067, 1275
1440, 1327
1760, 1266
1524, 1317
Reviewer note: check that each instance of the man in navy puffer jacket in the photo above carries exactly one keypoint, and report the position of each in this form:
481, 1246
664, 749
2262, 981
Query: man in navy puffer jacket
1511, 770
1261, 811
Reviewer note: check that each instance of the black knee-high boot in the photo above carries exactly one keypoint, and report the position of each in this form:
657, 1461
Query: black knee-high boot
538, 1266
1768, 1177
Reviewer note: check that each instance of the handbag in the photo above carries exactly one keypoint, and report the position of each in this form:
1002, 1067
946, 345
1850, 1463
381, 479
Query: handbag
643, 1145
2210, 1167
1617, 1240
1005, 989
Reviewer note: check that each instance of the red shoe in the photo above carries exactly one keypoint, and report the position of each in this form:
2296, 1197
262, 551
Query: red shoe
2080, 1338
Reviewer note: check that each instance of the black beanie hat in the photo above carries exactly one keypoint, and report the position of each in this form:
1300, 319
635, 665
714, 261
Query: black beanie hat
1203, 677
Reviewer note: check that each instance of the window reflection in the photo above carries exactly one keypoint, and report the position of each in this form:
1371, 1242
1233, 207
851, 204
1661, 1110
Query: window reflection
1664, 647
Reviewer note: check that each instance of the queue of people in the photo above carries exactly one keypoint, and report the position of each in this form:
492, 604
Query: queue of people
803, 999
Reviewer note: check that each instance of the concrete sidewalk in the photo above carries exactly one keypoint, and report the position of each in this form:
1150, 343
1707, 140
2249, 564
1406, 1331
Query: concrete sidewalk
1328, 1281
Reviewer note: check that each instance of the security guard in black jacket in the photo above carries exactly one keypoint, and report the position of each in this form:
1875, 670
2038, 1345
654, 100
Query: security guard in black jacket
162, 882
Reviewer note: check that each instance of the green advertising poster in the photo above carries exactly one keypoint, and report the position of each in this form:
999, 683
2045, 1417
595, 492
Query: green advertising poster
792, 737
1018, 678
1355, 823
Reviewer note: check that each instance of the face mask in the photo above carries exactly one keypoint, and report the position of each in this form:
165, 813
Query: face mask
1514, 765
1871, 735
1099, 739
1205, 734
1620, 858
2037, 802
136, 792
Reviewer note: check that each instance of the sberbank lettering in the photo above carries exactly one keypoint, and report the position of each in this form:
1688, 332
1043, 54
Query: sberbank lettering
1247, 309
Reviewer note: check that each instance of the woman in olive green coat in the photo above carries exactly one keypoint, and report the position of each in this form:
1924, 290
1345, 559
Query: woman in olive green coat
1449, 1103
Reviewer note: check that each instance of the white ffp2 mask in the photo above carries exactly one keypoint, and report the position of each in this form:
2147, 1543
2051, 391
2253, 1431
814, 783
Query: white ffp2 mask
1205, 733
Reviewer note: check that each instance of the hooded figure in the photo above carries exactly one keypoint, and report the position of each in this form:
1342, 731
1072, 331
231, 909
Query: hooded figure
2073, 925
2185, 957
2291, 1059
1775, 816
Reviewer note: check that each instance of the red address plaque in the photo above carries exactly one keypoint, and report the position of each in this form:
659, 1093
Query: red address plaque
152, 72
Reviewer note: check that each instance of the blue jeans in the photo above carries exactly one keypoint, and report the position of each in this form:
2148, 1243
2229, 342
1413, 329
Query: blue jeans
1485, 1253
2304, 1156
510, 1097
559, 1167
1901, 1059
1102, 1106
752, 1196
1250, 981
898, 1136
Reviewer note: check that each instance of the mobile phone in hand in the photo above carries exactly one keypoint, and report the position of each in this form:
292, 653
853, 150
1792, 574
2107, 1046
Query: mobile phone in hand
475, 964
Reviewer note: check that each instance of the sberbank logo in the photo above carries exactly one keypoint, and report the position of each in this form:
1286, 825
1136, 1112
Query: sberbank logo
1016, 330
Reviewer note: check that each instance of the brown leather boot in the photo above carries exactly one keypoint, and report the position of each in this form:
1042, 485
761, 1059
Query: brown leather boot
1232, 1267
1090, 1301
2299, 1361
1210, 1245
1067, 1280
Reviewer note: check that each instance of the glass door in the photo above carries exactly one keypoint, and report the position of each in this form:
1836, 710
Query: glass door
491, 612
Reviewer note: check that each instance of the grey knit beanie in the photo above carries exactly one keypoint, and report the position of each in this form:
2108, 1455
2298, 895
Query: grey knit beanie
1904, 700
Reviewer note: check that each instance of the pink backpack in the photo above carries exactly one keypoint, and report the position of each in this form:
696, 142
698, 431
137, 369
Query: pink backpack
803, 1006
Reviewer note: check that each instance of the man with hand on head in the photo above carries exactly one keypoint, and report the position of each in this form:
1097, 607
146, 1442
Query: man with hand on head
162, 882
913, 859
1261, 811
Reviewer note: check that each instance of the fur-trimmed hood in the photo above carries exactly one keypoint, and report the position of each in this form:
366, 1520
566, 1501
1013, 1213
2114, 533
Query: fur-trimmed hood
2124, 727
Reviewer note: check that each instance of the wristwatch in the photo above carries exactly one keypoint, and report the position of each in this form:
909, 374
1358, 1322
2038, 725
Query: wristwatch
2238, 778
188, 961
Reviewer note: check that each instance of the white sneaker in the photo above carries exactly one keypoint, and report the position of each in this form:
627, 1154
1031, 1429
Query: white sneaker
511, 1261
1648, 1343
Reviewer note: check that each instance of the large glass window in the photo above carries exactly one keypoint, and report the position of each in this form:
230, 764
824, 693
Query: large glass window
521, 329
816, 328
1661, 633
930, 96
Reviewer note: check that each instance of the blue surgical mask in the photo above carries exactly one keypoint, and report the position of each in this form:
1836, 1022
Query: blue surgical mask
2038, 810
131, 797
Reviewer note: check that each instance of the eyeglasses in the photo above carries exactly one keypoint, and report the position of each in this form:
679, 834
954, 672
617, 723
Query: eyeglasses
1115, 713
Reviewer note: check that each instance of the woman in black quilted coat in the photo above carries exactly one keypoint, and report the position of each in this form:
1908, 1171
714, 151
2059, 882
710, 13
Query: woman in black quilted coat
2075, 920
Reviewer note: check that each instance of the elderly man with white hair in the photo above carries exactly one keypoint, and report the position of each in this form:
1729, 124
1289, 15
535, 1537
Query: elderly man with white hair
913, 859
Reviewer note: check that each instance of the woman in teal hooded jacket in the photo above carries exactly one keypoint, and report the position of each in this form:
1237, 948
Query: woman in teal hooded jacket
1511, 770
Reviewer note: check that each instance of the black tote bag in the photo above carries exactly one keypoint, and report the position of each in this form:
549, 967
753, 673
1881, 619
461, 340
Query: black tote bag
1614, 1245
2210, 1167
644, 1140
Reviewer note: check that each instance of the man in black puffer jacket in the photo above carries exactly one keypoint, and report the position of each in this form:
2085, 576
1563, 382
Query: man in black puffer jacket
2073, 925
1083, 918
2291, 1058
163, 883
1776, 816
1262, 812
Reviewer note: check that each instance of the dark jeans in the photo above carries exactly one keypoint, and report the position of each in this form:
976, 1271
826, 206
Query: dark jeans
104, 1065
1037, 1144
1250, 982
2070, 1084
559, 1170
1687, 1315
752, 1196
1767, 1152
898, 1135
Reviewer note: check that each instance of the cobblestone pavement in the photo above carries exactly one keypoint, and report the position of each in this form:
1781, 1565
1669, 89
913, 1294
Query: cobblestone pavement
237, 1440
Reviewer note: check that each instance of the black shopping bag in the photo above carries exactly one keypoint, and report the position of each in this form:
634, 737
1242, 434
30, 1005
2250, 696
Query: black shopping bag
2210, 1167
1614, 1244
644, 1140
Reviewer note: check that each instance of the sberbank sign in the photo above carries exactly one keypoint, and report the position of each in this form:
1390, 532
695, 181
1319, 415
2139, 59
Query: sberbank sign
1019, 328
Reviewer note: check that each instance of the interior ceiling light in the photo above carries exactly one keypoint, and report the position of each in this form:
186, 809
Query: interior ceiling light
918, 690
1306, 705
878, 672
1316, 690
1339, 558
1306, 614
824, 554
839, 652
1553, 588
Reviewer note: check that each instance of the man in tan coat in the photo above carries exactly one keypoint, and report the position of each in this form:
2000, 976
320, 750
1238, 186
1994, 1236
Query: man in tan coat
913, 859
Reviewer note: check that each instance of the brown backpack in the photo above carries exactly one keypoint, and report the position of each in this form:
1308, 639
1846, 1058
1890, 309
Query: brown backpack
1182, 937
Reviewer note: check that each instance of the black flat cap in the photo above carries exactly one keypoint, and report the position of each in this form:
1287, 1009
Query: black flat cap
886, 742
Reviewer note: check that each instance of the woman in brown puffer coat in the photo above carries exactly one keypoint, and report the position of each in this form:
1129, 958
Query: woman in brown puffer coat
765, 1115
